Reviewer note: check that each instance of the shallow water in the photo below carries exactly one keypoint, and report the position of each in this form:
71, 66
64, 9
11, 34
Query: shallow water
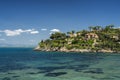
26, 64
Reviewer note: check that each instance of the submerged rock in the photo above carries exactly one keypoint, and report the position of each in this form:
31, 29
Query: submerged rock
6, 78
55, 74
15, 76
49, 69
95, 70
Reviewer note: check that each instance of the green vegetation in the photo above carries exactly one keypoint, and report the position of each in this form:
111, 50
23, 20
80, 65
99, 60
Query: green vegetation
94, 39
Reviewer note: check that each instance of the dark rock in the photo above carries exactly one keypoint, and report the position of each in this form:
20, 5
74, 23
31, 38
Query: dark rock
15, 76
42, 71
107, 78
6, 78
32, 73
10, 73
15, 66
95, 70
79, 68
116, 76
55, 74
49, 69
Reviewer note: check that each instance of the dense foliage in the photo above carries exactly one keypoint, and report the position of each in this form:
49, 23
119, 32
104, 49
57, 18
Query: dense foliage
108, 38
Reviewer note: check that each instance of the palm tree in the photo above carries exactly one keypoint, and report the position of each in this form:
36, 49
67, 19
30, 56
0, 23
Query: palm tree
73, 31
94, 28
108, 28
90, 28
68, 33
98, 28
84, 32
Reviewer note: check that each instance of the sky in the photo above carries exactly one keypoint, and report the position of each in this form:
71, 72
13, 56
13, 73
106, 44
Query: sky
26, 22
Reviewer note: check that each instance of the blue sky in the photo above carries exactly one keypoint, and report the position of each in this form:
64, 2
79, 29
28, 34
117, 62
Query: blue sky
26, 22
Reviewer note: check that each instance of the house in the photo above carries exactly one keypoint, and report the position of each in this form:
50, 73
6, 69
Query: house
78, 33
73, 35
91, 36
115, 37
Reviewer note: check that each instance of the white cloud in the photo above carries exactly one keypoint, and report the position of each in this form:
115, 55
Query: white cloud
43, 29
34, 32
2, 39
12, 33
18, 32
55, 30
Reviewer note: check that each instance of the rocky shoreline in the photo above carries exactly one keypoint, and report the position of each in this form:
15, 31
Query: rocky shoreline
73, 50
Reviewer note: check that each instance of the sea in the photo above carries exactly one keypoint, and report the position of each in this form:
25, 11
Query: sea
27, 64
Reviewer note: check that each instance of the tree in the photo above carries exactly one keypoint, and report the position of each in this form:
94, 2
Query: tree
90, 28
73, 31
106, 39
84, 32
98, 28
108, 28
58, 36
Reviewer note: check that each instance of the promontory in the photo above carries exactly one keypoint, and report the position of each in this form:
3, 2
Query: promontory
96, 39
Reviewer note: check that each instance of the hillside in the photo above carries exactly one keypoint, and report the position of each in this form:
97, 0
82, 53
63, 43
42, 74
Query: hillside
96, 39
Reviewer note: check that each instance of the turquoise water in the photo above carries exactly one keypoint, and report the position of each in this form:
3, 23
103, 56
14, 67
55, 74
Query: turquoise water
26, 64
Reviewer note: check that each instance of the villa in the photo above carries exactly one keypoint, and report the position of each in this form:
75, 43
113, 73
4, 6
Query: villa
115, 37
91, 36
